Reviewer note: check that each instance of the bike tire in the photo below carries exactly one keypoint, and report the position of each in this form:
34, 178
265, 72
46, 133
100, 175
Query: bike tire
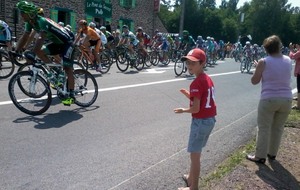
249, 66
7, 67
30, 103
123, 66
139, 62
154, 58
105, 63
243, 65
179, 67
86, 88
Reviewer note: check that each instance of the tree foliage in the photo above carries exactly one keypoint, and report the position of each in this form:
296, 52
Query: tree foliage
262, 18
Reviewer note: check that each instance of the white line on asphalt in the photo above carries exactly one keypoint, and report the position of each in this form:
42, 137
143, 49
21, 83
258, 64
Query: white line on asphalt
150, 83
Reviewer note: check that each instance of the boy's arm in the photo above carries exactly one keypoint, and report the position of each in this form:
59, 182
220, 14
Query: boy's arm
185, 92
195, 108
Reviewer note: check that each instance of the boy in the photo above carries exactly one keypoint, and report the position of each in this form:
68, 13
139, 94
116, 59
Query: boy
203, 110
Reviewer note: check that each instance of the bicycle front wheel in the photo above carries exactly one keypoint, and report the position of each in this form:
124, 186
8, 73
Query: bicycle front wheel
179, 67
31, 96
105, 62
6, 66
86, 88
243, 65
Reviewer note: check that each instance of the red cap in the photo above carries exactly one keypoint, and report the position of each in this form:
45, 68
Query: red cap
195, 55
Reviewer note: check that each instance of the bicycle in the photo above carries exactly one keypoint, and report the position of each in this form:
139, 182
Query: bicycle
30, 90
88, 61
246, 64
125, 60
7, 67
180, 67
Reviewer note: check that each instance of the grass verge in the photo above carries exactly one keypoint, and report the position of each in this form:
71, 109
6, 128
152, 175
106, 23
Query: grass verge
238, 156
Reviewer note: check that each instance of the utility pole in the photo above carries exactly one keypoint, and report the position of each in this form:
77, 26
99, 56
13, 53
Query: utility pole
182, 17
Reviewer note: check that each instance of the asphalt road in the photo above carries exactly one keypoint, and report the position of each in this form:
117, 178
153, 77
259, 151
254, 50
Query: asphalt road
129, 139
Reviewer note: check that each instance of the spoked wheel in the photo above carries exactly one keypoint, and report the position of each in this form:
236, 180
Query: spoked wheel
123, 66
86, 88
105, 62
30, 96
243, 65
154, 58
6, 66
249, 66
179, 67
139, 62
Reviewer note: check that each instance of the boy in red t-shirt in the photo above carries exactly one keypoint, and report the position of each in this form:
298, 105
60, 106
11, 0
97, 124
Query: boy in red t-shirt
203, 111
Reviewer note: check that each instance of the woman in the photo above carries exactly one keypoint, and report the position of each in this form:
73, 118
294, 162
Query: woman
295, 54
274, 71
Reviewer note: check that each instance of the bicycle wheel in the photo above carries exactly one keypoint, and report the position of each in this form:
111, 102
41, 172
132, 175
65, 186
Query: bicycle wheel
154, 58
123, 66
139, 62
35, 101
249, 66
86, 88
147, 61
105, 63
17, 59
179, 67
7, 67
243, 65
77, 65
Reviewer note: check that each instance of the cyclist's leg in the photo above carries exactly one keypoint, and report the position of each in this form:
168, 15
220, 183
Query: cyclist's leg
68, 67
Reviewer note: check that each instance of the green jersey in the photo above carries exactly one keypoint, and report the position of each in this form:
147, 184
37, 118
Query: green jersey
54, 32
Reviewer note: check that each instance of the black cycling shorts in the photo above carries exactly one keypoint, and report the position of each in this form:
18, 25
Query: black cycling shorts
64, 50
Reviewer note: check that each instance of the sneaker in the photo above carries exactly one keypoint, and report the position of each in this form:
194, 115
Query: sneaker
98, 68
68, 101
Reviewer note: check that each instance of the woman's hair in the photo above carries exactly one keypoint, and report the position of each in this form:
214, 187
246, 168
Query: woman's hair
272, 44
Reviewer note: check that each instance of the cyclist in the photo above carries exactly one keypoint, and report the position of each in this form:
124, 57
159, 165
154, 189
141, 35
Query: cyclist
91, 39
187, 42
5, 35
200, 43
143, 39
108, 35
60, 42
162, 43
102, 36
129, 38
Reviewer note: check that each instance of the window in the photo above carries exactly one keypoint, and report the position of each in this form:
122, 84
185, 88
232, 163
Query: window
127, 22
128, 3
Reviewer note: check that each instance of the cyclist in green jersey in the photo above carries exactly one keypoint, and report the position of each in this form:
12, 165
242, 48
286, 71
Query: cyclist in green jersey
60, 41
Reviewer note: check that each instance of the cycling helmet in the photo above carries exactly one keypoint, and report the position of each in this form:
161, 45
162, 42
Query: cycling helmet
208, 38
92, 24
125, 27
68, 27
199, 37
40, 11
83, 22
248, 43
159, 34
61, 24
139, 29
185, 32
27, 8
102, 28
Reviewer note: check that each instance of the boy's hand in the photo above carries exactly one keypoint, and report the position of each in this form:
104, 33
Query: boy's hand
178, 110
185, 92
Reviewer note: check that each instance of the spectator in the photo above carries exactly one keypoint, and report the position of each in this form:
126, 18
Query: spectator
275, 101
295, 54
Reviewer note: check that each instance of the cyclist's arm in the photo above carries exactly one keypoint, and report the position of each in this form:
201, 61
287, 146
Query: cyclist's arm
30, 39
39, 42
22, 41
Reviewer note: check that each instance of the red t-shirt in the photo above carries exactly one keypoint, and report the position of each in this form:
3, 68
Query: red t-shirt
203, 88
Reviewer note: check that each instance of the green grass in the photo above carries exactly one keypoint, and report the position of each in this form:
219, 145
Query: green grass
239, 155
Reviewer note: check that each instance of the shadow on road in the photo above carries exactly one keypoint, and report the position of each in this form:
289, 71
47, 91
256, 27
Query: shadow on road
277, 176
56, 120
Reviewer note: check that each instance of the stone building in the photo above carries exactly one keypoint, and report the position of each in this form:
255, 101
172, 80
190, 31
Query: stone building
133, 13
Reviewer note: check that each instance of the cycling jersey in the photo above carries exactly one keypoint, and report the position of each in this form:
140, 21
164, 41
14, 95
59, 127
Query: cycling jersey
5, 32
131, 37
91, 33
54, 32
189, 41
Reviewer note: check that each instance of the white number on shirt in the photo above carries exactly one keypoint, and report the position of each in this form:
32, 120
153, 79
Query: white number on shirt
210, 95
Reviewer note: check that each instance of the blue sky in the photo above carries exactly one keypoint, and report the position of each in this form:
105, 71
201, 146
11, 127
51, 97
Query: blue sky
295, 3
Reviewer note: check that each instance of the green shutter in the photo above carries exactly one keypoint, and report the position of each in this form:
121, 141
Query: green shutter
122, 3
120, 24
133, 3
54, 15
89, 19
73, 21
108, 19
131, 26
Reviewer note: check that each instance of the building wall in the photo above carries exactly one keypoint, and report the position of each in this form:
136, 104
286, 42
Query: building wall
142, 15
